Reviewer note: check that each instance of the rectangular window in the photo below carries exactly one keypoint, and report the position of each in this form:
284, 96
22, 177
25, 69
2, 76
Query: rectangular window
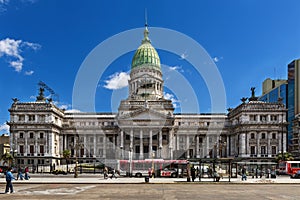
191, 153
252, 117
31, 149
22, 118
42, 118
200, 140
21, 149
154, 137
101, 152
181, 139
263, 150
273, 118
252, 149
41, 135
41, 149
274, 150
31, 118
31, 134
263, 118
21, 135
91, 139
164, 137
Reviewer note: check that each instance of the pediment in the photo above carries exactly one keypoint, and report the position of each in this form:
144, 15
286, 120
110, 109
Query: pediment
144, 114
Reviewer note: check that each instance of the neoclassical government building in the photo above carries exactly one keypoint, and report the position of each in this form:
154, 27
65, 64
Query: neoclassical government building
145, 126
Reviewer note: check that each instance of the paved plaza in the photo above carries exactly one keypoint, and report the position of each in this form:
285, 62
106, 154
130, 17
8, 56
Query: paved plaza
96, 187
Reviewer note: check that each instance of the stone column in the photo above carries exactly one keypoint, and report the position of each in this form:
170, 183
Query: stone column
258, 136
141, 145
26, 143
150, 144
160, 143
122, 139
171, 136
85, 145
122, 144
284, 143
187, 146
242, 144
228, 146
131, 139
177, 141
36, 150
95, 145
269, 149
207, 145
197, 147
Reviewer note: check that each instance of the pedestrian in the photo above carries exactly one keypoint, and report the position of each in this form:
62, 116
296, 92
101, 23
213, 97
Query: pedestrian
9, 178
20, 174
27, 177
113, 174
268, 173
105, 173
149, 172
244, 176
193, 173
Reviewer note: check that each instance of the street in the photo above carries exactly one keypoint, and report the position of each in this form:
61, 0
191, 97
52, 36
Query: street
153, 191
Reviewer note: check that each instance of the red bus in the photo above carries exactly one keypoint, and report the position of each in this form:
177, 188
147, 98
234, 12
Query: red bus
163, 168
289, 167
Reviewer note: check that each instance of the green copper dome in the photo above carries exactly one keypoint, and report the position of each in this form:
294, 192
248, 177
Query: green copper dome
146, 54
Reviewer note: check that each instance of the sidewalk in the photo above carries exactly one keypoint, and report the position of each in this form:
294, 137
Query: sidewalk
98, 179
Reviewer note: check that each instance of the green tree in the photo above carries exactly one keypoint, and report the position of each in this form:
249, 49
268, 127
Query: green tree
285, 156
7, 158
67, 155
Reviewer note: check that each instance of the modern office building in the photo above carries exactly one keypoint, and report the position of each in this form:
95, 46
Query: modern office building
294, 104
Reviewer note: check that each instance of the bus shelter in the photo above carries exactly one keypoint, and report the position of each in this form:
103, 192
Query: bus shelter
257, 169
213, 168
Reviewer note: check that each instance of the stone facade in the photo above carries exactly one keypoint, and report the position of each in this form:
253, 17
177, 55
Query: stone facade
144, 127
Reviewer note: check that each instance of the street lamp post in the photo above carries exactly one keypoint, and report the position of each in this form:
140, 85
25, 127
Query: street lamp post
152, 170
130, 161
282, 154
76, 147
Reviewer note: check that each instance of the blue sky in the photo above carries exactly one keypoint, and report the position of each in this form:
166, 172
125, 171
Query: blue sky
48, 40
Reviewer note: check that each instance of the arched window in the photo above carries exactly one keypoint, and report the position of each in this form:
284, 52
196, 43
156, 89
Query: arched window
252, 136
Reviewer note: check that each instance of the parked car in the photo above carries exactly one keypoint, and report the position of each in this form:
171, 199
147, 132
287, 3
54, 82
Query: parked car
169, 173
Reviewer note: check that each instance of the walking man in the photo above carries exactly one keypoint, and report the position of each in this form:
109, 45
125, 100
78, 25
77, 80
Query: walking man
9, 178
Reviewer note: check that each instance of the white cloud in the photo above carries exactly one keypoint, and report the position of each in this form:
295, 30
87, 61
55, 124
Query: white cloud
29, 73
183, 56
33, 46
176, 68
217, 59
172, 98
4, 1
64, 106
4, 127
12, 49
117, 81
72, 111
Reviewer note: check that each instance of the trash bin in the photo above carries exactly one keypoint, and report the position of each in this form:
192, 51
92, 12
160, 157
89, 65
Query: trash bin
146, 179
